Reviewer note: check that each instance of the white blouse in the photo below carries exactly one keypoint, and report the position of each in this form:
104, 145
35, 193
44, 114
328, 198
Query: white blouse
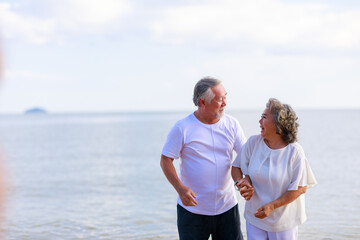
273, 172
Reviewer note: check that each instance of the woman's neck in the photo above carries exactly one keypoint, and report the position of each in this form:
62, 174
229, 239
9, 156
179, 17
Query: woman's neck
275, 143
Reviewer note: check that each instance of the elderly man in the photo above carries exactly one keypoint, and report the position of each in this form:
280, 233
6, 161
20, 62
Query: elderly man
204, 141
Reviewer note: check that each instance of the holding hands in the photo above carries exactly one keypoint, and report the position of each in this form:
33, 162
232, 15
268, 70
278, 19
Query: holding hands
245, 188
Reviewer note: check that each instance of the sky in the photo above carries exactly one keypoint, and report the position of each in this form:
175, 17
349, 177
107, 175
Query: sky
121, 55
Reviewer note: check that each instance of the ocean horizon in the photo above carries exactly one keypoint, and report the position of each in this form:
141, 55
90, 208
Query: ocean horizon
155, 111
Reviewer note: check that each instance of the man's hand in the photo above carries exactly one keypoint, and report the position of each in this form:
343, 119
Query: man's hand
187, 196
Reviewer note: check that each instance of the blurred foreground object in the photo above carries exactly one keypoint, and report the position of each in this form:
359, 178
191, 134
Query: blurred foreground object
2, 172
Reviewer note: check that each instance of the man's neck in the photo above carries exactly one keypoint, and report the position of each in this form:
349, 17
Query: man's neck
204, 118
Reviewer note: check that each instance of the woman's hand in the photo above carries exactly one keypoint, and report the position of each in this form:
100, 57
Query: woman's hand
264, 211
285, 199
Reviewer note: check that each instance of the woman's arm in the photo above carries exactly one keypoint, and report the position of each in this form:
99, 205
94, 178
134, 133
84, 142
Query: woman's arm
285, 199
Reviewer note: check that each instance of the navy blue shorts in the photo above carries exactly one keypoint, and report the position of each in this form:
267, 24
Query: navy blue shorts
225, 226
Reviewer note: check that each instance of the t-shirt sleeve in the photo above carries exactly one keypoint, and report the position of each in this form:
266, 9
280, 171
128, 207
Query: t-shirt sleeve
302, 174
237, 160
173, 144
242, 160
240, 138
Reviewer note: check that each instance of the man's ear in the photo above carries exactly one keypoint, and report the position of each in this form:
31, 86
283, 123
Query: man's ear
201, 102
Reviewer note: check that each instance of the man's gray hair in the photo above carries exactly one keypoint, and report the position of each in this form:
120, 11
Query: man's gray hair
202, 89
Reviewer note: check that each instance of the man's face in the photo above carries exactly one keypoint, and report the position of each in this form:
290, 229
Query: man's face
217, 105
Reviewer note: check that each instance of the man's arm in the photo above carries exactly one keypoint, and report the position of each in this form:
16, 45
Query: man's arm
186, 195
286, 198
236, 173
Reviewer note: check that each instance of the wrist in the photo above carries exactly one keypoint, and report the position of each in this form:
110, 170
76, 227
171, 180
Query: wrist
272, 205
237, 181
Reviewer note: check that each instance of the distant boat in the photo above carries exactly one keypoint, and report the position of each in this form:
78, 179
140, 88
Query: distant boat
35, 110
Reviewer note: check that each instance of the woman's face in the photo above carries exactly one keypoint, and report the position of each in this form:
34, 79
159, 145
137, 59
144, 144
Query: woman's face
267, 124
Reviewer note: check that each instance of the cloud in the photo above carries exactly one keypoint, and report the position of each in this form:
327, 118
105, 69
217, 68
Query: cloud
261, 22
19, 26
42, 21
90, 14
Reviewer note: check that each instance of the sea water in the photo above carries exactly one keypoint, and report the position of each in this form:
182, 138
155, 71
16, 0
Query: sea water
97, 176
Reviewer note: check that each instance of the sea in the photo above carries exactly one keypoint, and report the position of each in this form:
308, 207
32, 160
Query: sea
97, 176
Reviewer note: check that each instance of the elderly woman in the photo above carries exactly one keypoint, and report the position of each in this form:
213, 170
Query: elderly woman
277, 175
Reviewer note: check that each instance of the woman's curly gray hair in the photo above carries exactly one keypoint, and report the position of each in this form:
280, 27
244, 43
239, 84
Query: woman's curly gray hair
285, 120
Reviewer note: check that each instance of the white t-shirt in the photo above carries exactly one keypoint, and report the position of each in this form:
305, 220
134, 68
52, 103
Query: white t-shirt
273, 172
206, 155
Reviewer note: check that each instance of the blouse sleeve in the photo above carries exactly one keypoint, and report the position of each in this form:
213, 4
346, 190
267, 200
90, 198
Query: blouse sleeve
302, 174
